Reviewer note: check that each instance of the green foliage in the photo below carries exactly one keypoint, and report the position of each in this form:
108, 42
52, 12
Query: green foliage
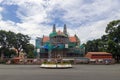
92, 46
30, 55
110, 42
113, 30
7, 52
10, 40
30, 50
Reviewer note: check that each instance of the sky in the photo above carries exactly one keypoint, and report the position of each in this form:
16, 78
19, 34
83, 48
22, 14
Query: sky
85, 18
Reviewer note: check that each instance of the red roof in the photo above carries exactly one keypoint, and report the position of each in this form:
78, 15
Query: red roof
99, 55
72, 39
45, 38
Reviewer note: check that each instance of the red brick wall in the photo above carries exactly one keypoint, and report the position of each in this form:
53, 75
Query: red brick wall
101, 56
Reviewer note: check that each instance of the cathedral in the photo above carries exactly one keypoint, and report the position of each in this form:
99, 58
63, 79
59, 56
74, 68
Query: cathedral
59, 44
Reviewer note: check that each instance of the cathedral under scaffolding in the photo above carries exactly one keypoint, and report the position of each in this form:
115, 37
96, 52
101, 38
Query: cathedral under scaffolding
59, 44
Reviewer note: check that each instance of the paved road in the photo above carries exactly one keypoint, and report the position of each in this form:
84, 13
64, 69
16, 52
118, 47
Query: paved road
79, 72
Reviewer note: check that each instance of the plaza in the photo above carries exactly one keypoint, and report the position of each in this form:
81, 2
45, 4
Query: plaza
78, 72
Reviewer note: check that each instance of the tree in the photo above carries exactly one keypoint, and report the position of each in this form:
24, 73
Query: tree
3, 38
21, 42
113, 31
29, 49
109, 42
93, 45
12, 40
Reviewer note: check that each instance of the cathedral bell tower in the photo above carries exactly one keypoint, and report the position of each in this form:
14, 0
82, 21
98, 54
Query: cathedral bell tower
65, 29
54, 28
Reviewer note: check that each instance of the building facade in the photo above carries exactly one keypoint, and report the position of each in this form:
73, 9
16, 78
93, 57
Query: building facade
59, 44
100, 57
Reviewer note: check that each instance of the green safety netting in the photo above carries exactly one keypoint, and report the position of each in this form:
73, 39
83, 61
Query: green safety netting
76, 51
82, 46
49, 46
53, 34
60, 46
63, 35
72, 44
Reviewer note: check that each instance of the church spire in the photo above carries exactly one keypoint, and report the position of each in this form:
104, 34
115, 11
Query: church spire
54, 28
65, 29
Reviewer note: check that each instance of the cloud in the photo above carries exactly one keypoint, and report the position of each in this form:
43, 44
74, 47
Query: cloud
86, 18
1, 9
